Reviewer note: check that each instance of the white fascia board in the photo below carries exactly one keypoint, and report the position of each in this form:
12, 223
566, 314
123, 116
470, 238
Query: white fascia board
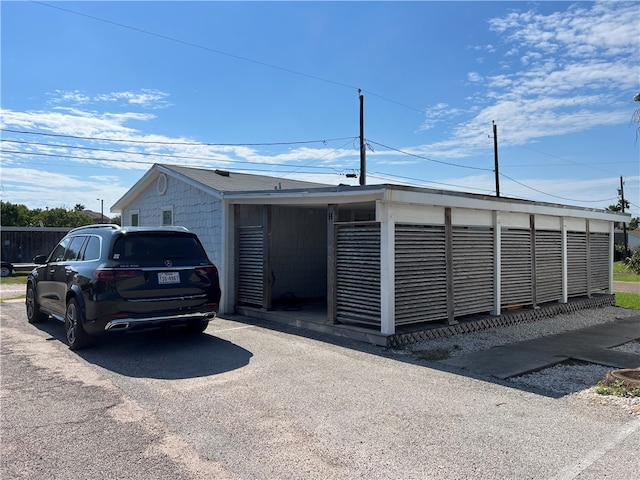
501, 204
307, 197
145, 181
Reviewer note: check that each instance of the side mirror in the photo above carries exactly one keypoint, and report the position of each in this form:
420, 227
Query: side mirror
40, 259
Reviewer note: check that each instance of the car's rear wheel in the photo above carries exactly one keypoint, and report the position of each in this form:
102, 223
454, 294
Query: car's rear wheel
34, 315
197, 326
5, 271
77, 338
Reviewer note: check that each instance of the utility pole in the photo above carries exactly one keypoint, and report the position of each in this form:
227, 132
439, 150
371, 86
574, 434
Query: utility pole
624, 224
495, 157
101, 209
363, 150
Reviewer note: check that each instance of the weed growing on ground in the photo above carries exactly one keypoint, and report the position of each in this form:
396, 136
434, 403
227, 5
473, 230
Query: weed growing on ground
434, 354
617, 388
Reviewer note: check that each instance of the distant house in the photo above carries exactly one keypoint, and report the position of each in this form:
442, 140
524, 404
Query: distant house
377, 260
633, 238
97, 217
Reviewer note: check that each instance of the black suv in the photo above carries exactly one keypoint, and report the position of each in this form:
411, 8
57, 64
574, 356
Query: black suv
103, 278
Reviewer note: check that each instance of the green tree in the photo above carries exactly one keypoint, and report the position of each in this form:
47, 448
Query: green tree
78, 208
618, 206
14, 215
60, 217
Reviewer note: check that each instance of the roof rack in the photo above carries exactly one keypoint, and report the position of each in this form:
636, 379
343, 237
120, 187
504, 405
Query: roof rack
112, 226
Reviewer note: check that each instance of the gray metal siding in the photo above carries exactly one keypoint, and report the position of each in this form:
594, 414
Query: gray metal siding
473, 270
250, 265
599, 261
358, 273
420, 274
548, 266
516, 274
576, 263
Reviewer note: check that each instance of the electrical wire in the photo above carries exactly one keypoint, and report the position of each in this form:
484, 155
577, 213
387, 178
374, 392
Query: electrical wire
422, 182
556, 196
146, 154
141, 162
156, 142
201, 47
429, 159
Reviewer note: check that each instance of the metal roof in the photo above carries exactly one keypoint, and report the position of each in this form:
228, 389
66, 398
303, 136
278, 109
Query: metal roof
226, 181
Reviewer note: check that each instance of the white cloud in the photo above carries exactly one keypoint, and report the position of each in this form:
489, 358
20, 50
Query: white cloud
146, 98
574, 68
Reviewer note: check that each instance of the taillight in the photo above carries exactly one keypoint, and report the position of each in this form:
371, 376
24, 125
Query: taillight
206, 271
106, 275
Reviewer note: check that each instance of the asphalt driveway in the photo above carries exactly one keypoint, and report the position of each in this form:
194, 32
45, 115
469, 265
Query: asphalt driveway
246, 401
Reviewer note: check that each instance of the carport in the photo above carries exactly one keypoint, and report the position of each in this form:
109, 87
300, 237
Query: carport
384, 260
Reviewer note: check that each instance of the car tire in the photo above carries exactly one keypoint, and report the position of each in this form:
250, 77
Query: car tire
197, 326
5, 271
77, 338
34, 315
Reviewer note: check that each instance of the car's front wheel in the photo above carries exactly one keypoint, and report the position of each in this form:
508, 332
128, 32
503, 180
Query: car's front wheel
34, 315
77, 338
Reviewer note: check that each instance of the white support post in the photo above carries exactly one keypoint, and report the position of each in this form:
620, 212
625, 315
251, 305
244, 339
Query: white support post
497, 263
565, 282
612, 255
387, 269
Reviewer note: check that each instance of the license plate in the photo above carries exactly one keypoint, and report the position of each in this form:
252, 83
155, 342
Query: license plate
165, 278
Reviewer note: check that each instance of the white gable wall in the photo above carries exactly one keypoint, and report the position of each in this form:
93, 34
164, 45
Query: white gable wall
192, 208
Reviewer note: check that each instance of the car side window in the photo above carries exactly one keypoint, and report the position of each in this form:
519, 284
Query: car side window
91, 249
58, 253
74, 248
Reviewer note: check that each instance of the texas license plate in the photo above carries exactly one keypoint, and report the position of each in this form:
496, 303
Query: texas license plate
165, 278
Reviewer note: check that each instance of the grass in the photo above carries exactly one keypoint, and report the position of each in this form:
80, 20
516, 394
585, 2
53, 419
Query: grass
628, 300
622, 274
18, 278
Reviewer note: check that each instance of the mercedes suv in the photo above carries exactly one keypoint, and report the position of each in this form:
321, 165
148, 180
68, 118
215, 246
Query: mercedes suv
104, 278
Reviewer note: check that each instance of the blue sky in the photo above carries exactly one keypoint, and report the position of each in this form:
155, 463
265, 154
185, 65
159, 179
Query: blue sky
94, 93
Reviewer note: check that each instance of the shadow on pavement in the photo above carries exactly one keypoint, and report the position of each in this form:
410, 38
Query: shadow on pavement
167, 354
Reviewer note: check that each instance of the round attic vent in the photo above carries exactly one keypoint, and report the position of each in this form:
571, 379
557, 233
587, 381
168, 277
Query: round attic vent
162, 184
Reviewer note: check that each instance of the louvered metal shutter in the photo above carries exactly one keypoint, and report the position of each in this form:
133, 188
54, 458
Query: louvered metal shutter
358, 273
548, 266
473, 270
576, 263
516, 274
250, 265
599, 261
421, 281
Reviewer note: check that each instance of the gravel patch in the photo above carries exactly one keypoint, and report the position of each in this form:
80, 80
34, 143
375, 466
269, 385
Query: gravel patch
570, 378
12, 291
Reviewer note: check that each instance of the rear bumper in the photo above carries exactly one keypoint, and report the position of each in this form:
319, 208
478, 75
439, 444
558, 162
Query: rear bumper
151, 322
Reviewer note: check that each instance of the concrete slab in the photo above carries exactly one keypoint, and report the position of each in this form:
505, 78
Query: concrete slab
589, 344
507, 361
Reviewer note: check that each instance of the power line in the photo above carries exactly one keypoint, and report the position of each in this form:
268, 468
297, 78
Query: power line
156, 142
561, 158
195, 45
422, 182
231, 55
141, 162
126, 152
427, 158
556, 196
